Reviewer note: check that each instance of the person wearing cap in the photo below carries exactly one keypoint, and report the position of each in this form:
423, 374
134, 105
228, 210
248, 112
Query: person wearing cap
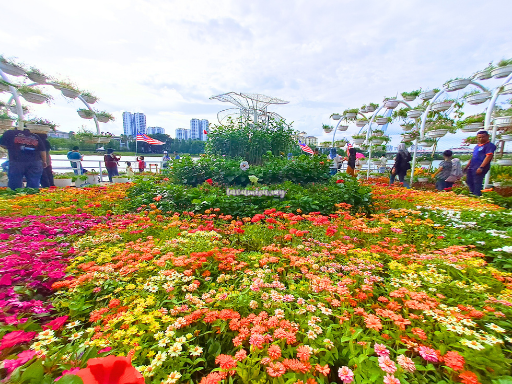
480, 163
165, 159
76, 158
111, 163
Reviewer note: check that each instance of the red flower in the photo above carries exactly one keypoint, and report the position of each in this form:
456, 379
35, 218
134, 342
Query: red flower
157, 198
468, 377
209, 181
110, 370
340, 181
453, 360
16, 337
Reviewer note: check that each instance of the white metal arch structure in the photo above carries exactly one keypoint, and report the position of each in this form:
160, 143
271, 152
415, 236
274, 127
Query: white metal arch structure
424, 120
16, 97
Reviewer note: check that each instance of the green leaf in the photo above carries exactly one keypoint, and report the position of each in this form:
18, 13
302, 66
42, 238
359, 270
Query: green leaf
34, 372
70, 379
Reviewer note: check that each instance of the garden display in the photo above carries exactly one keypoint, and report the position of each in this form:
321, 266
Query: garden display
408, 287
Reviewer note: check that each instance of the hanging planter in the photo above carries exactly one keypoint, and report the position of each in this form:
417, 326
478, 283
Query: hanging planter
14, 110
71, 93
4, 87
358, 141
437, 133
11, 69
456, 85
36, 98
361, 123
378, 133
391, 104
409, 98
350, 115
89, 98
442, 106
104, 117
335, 116
342, 128
382, 120
37, 77
507, 89
503, 122
414, 113
505, 162
370, 108
85, 113
38, 128
328, 130
363, 109
377, 140
506, 137
426, 144
483, 75
473, 127
5, 124
427, 95
407, 137
478, 98
501, 72
407, 126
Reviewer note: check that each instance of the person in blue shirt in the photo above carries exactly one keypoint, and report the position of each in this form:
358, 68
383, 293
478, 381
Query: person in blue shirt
76, 155
480, 163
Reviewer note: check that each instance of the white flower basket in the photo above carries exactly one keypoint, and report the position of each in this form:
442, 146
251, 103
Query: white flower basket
501, 72
102, 119
84, 116
506, 137
391, 104
422, 179
350, 115
503, 122
426, 95
327, 130
456, 85
35, 98
342, 128
377, 140
507, 89
63, 182
120, 179
92, 179
358, 141
426, 163
473, 127
505, 162
4, 88
407, 138
37, 78
38, 128
377, 133
382, 121
370, 109
406, 127
410, 98
5, 125
361, 123
414, 113
478, 98
496, 184
441, 106
11, 69
72, 94
426, 144
4, 181
363, 161
336, 116
363, 110
483, 75
89, 99
437, 133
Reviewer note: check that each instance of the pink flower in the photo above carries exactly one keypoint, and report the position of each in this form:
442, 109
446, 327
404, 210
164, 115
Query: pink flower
16, 337
107, 349
241, 355
390, 379
23, 357
396, 230
381, 350
346, 375
57, 323
71, 371
406, 363
386, 364
257, 340
428, 354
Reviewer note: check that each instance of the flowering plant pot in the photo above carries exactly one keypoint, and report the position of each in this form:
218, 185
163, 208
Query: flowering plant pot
478, 98
89, 98
370, 108
33, 97
377, 140
85, 113
63, 182
391, 104
120, 179
507, 89
378, 133
335, 116
483, 75
37, 77
505, 162
6, 124
437, 133
457, 84
501, 72
361, 123
350, 115
506, 137
358, 141
342, 128
423, 179
441, 106
410, 98
92, 179
426, 144
11, 69
71, 93
427, 95
473, 127
503, 121
382, 120
414, 113
38, 128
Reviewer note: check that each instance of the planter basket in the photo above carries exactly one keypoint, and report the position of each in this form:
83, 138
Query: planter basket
437, 133
363, 161
361, 123
336, 116
407, 137
426, 95
38, 128
358, 141
483, 75
5, 125
473, 127
326, 130
382, 121
457, 85
102, 119
120, 179
363, 110
496, 184
426, 163
391, 104
4, 88
11, 69
342, 128
89, 99
478, 98
505, 162
414, 113
98, 140
378, 134
441, 106
506, 137
63, 182
423, 179
72, 94
83, 115
410, 98
33, 97
92, 179
377, 140
507, 89
426, 144
36, 78
406, 127
370, 109
503, 122
350, 115
501, 72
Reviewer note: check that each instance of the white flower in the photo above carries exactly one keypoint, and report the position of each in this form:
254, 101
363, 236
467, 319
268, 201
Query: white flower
75, 336
196, 351
73, 324
495, 327
244, 165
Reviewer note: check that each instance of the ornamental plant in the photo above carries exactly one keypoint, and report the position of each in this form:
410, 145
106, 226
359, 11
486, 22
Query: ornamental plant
40, 121
504, 63
87, 112
414, 93
106, 115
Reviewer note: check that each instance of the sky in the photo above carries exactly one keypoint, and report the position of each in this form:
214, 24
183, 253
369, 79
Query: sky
167, 58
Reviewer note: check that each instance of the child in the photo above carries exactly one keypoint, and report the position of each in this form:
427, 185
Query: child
444, 171
142, 164
129, 170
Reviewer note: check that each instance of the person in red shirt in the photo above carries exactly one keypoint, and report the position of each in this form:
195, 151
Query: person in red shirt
111, 163
142, 164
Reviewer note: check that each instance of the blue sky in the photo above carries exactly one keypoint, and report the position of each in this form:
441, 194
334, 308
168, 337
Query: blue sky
166, 58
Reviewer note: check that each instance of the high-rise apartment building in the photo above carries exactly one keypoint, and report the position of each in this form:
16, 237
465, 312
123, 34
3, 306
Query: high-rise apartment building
134, 123
182, 134
155, 130
198, 129
204, 129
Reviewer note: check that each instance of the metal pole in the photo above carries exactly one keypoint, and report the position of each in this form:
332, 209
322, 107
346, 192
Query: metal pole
14, 93
368, 131
488, 115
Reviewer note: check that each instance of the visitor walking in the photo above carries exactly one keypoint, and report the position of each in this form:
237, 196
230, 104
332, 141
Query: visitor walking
47, 176
383, 162
111, 163
351, 162
27, 157
76, 160
402, 165
165, 159
129, 170
480, 163
444, 171
141, 164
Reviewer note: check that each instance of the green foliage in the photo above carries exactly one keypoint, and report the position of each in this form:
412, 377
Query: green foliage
250, 141
504, 62
412, 93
